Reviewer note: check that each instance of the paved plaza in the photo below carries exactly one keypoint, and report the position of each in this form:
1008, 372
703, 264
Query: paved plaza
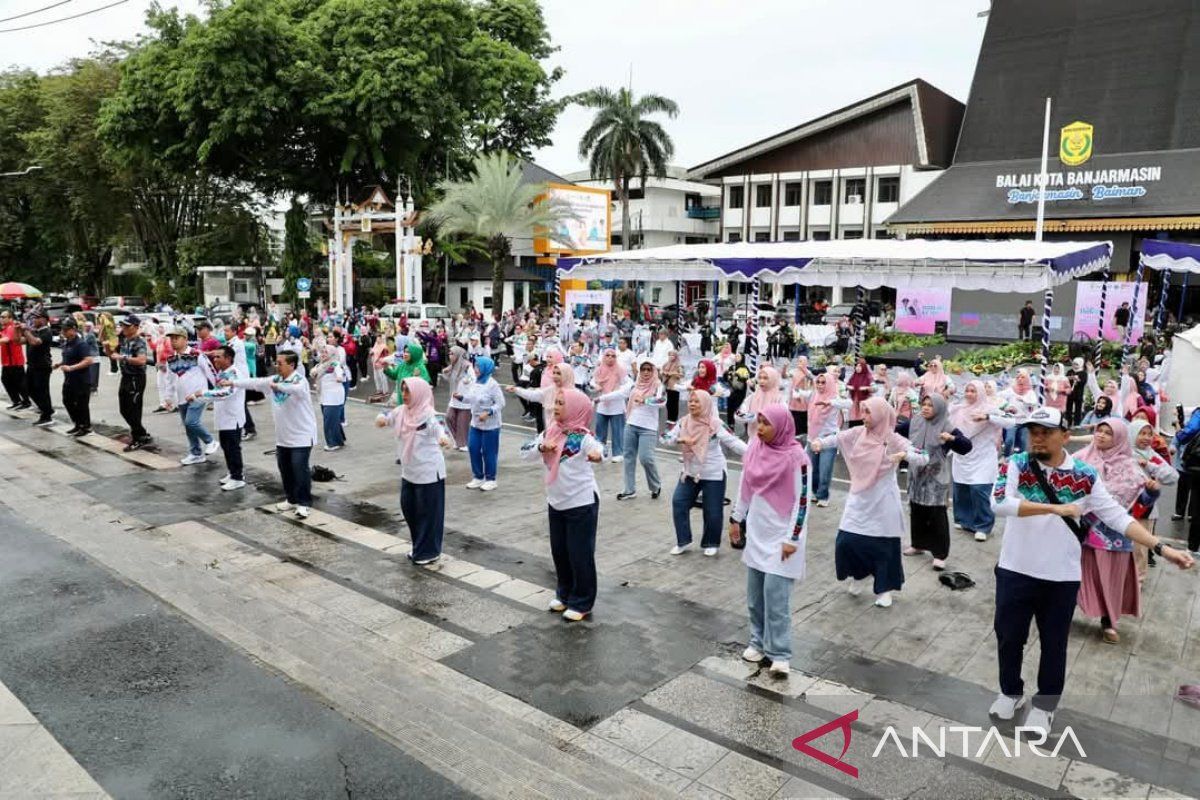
164, 639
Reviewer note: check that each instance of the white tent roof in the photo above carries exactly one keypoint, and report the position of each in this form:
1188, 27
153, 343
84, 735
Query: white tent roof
1000, 266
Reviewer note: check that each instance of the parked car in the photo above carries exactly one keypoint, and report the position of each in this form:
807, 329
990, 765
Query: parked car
415, 311
835, 313
119, 305
88, 301
703, 308
55, 312
766, 312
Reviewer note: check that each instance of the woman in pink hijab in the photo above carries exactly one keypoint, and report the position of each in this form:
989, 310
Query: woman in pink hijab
567, 450
934, 379
768, 391
974, 473
873, 521
772, 506
800, 380
611, 383
1109, 586
825, 411
422, 468
556, 377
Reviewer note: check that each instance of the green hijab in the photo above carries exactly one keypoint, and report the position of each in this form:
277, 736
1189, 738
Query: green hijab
413, 368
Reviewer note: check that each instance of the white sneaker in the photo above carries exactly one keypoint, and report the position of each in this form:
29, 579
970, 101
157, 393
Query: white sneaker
852, 588
779, 669
752, 655
884, 600
957, 526
487, 486
226, 479
189, 459
1039, 720
618, 459
556, 605
475, 483
822, 504
302, 512
284, 505
980, 536
332, 448
462, 449
1005, 707
230, 486
571, 615
212, 447
710, 551
680, 548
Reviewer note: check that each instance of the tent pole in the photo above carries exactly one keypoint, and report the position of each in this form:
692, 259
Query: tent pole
679, 306
1161, 312
859, 325
716, 318
1100, 327
1047, 307
1127, 344
559, 305
752, 328
796, 298
1182, 297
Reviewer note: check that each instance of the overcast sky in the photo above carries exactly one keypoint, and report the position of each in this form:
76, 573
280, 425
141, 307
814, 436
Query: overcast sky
739, 69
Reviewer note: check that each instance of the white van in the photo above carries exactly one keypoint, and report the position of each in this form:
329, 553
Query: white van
416, 312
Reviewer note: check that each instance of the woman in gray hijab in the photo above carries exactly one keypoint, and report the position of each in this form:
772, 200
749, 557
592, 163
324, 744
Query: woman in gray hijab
458, 412
929, 486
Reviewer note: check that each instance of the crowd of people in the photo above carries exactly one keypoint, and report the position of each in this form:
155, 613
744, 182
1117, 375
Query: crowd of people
1079, 526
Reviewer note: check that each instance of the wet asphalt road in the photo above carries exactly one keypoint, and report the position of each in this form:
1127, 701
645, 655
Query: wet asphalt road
153, 707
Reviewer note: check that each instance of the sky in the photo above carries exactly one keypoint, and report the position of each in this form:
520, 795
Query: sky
740, 70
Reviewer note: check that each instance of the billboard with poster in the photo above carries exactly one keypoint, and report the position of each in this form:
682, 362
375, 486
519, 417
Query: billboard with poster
590, 231
919, 310
1087, 308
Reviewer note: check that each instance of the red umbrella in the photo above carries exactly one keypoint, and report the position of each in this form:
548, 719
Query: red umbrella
18, 291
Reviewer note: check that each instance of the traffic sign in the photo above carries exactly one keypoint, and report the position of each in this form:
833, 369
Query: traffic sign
304, 295
304, 284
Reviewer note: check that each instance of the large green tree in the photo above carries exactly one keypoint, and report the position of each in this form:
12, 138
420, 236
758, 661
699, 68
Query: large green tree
494, 205
622, 144
312, 96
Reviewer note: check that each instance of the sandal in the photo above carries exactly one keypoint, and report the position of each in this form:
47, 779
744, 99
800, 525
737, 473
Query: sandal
1110, 636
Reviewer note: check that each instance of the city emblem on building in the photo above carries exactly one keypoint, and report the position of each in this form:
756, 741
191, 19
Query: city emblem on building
1075, 143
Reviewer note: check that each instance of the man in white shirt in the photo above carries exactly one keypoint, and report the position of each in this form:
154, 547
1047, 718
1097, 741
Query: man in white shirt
662, 347
1039, 571
229, 403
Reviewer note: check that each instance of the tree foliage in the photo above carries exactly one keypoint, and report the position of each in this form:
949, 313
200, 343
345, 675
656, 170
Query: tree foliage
622, 143
493, 205
306, 96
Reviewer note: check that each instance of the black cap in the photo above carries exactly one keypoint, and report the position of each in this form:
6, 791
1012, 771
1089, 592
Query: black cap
131, 319
70, 322
204, 323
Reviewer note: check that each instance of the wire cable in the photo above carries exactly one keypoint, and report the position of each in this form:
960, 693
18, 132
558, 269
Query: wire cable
35, 11
63, 19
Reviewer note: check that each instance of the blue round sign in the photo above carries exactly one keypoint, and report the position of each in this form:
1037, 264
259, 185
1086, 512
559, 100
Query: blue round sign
304, 284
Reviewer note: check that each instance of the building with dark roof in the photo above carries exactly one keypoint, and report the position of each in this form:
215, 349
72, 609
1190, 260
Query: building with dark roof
1124, 79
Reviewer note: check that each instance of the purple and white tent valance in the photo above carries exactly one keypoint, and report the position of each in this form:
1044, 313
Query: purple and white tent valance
1007, 266
1173, 256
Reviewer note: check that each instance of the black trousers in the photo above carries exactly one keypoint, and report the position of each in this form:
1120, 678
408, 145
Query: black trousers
250, 426
930, 529
129, 400
37, 382
1074, 409
295, 474
13, 379
424, 509
231, 448
1021, 599
1183, 492
1193, 511
732, 404
573, 547
77, 398
672, 405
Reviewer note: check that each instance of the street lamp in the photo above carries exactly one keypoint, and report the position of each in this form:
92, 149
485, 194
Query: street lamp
26, 171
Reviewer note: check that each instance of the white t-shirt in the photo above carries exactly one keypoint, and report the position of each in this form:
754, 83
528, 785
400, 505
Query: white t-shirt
575, 485
877, 511
332, 385
291, 405
427, 465
713, 468
613, 403
765, 531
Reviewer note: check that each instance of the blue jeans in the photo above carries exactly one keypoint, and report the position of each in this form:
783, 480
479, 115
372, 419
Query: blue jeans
1016, 439
973, 507
769, 598
640, 443
192, 414
484, 449
686, 492
294, 472
615, 422
331, 418
823, 475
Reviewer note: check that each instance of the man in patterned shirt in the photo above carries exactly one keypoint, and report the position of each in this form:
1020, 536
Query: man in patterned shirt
1039, 571
132, 355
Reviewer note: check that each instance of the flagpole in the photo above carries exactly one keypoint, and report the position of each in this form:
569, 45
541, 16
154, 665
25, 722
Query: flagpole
1041, 207
1048, 299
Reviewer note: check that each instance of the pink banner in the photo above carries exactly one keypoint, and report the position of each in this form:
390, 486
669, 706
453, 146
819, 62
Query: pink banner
1087, 309
919, 310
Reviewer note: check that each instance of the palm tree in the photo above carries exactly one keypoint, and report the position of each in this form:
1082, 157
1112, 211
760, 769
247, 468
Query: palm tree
622, 144
493, 205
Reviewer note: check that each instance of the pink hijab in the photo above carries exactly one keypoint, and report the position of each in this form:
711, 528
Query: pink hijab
696, 431
1118, 467
865, 448
577, 418
962, 413
408, 418
767, 392
609, 374
769, 468
933, 380
645, 388
820, 404
553, 357
1023, 383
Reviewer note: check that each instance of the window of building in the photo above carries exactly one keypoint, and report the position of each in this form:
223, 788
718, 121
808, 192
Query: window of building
856, 190
762, 236
691, 200
737, 196
487, 301
852, 233
464, 296
792, 193
656, 295
820, 236
637, 194
882, 233
791, 236
888, 190
762, 196
822, 193
734, 236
